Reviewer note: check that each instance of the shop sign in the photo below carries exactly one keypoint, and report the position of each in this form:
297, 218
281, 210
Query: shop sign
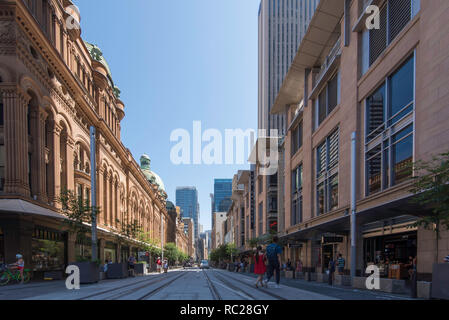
295, 245
334, 239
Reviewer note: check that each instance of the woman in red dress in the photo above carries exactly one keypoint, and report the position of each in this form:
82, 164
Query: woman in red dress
259, 266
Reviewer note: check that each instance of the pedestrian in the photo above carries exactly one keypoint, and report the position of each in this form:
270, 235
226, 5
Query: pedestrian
273, 257
105, 266
236, 266
331, 271
260, 267
289, 265
165, 266
131, 262
159, 264
341, 264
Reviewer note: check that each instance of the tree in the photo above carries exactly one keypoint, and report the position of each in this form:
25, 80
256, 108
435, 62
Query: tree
431, 190
79, 213
231, 250
253, 242
171, 252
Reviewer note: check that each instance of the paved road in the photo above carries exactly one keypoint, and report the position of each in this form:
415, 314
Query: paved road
190, 284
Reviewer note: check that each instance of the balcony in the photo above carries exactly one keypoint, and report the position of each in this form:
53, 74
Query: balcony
329, 65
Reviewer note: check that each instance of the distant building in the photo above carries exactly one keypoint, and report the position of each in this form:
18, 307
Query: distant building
187, 200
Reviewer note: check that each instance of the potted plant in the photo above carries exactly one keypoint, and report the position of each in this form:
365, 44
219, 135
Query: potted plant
431, 190
79, 215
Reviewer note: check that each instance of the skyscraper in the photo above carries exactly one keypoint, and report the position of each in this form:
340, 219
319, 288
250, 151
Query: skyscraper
282, 25
222, 195
187, 200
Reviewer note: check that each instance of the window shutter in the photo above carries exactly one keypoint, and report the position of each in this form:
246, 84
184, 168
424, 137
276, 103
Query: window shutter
399, 15
378, 38
333, 149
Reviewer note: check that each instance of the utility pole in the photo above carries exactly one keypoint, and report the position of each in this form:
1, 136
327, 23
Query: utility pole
353, 205
93, 190
162, 237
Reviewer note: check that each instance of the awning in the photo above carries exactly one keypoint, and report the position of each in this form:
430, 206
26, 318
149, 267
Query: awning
342, 225
20, 206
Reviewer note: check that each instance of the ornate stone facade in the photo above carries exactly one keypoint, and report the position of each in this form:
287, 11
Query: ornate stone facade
53, 87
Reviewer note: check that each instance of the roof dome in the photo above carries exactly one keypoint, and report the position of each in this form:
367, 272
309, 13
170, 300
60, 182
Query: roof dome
152, 177
170, 206
97, 55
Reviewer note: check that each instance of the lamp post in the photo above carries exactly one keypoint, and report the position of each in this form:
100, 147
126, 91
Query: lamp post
93, 190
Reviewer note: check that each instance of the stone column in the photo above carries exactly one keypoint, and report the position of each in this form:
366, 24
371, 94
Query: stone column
16, 141
40, 151
56, 163
111, 200
100, 195
69, 163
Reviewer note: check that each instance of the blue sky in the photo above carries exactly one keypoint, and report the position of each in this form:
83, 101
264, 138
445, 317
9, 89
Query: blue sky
178, 61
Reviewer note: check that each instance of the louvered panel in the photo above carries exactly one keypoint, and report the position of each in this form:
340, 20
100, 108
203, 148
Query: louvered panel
333, 149
378, 37
399, 15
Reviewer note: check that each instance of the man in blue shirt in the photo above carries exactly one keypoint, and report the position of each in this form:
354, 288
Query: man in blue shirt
273, 256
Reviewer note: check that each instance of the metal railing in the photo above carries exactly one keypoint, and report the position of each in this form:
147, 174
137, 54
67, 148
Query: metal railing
336, 49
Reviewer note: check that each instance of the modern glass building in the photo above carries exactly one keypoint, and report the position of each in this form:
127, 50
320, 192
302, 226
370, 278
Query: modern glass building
187, 200
222, 195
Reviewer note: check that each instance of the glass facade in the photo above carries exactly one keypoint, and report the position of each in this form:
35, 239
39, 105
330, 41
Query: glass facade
49, 250
222, 194
389, 130
187, 200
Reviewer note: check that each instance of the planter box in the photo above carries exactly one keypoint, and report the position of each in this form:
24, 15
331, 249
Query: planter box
102, 276
440, 281
289, 274
322, 277
117, 270
89, 272
341, 280
300, 275
53, 275
386, 285
424, 289
141, 269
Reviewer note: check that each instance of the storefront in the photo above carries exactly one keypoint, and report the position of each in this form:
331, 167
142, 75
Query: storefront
330, 247
110, 252
83, 249
390, 248
2, 246
124, 253
48, 250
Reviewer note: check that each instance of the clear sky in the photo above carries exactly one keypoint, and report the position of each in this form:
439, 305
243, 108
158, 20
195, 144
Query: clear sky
178, 61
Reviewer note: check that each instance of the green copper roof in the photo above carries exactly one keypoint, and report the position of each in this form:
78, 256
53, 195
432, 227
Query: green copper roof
152, 177
97, 55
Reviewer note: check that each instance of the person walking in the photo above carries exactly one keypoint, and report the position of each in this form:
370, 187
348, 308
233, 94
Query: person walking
331, 269
341, 264
159, 265
259, 266
165, 266
273, 257
131, 263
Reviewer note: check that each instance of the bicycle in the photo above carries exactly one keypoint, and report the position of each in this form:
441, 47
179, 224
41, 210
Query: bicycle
6, 274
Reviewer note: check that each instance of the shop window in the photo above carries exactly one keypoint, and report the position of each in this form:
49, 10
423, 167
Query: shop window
48, 250
389, 131
327, 159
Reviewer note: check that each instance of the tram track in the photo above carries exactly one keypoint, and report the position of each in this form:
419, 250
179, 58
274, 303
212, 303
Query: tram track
215, 294
260, 289
139, 284
154, 291
232, 286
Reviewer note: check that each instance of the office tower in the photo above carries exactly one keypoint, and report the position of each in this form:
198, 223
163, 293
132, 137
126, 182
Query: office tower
187, 200
282, 25
222, 194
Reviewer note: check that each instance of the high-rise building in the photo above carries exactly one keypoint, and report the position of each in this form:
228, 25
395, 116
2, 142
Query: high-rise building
187, 200
282, 25
222, 194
